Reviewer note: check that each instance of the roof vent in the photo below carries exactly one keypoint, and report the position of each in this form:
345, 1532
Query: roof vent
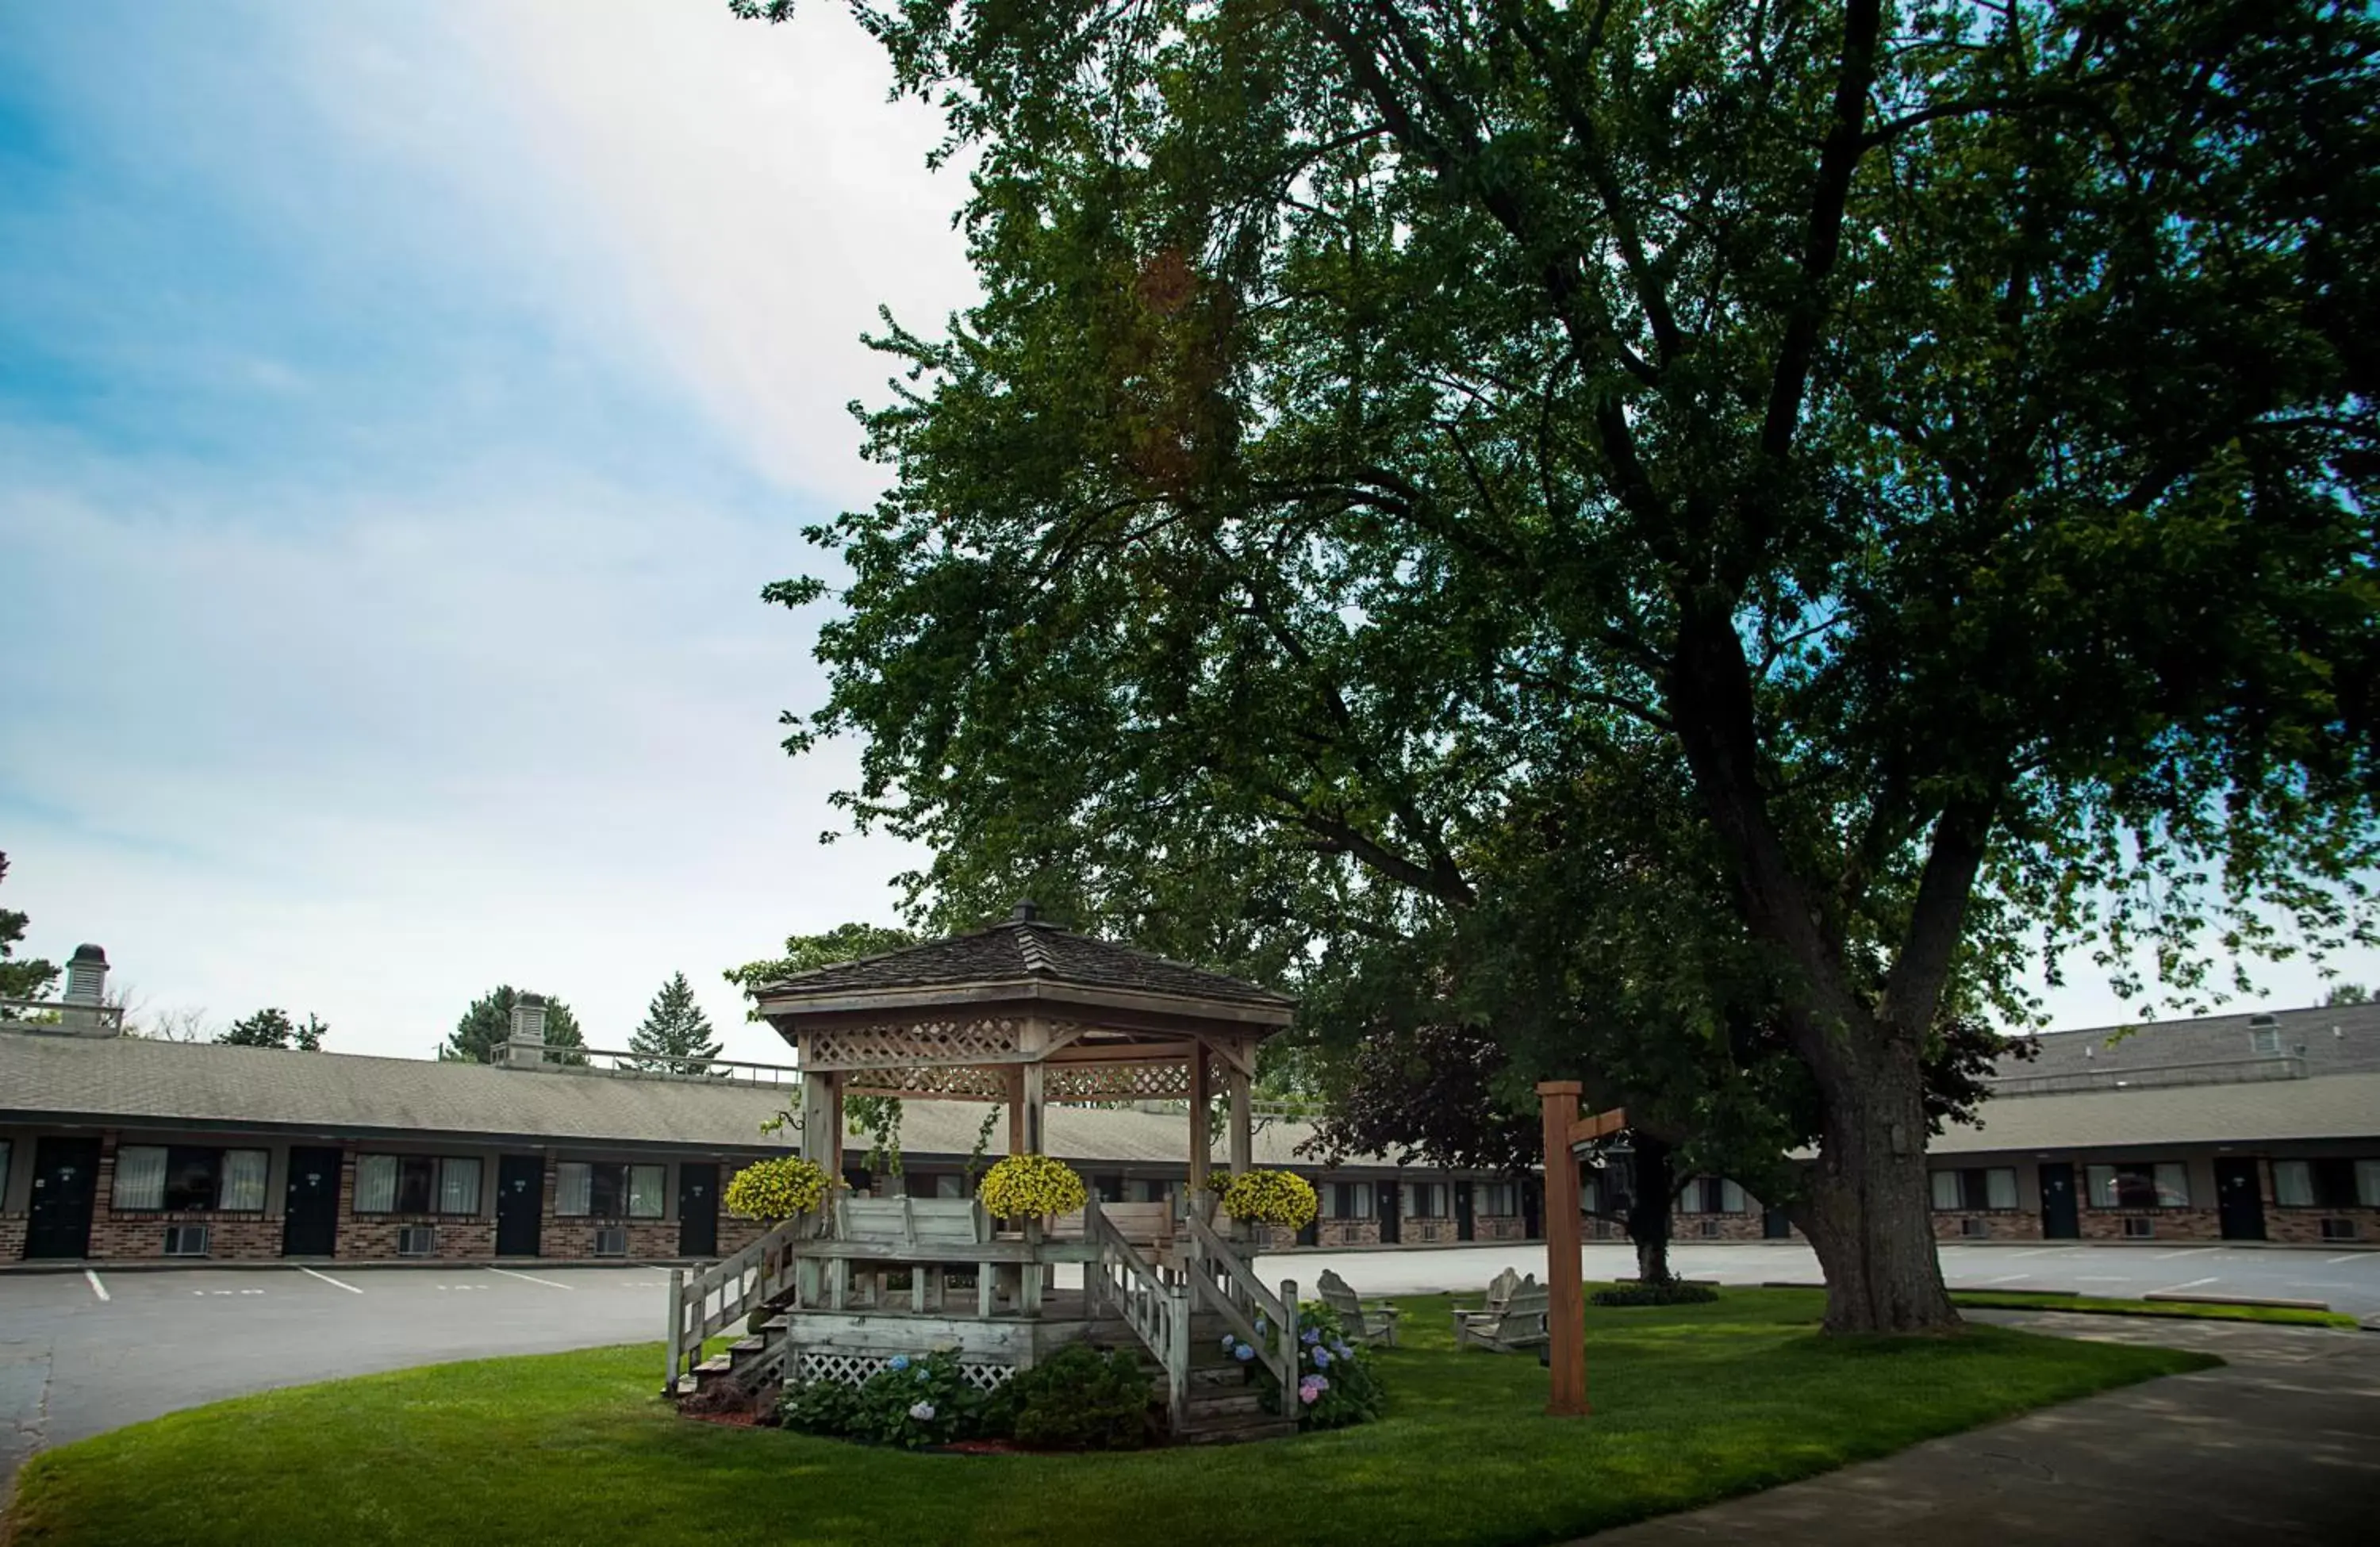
2262, 1020
1027, 912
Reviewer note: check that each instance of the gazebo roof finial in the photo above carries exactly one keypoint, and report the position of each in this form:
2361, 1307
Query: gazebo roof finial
1027, 911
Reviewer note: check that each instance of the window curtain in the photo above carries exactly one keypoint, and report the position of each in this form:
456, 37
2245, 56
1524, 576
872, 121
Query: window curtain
2367, 1180
141, 1176
645, 1185
2292, 1184
1946, 1190
459, 1185
376, 1184
243, 1179
2000, 1188
1730, 1198
573, 1187
2172, 1185
2103, 1186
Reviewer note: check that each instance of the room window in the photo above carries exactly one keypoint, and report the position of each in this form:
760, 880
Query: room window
3, 1168
608, 1189
1109, 1188
1425, 1200
2265, 1041
1156, 1189
2140, 1185
1710, 1194
417, 1184
1499, 1198
2326, 1184
188, 1176
1980, 1188
1348, 1200
949, 1186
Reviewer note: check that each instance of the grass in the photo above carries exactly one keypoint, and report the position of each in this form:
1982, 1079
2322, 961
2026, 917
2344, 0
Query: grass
1693, 1404
2196, 1311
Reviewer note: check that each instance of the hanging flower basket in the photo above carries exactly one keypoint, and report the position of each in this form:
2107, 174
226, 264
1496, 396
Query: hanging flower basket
1028, 1187
777, 1189
1281, 1198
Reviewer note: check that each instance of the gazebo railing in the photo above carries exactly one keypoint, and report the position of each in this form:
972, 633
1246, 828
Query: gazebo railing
1222, 1281
1158, 1312
728, 1291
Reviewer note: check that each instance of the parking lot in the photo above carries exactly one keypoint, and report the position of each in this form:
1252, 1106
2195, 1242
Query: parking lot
81, 1353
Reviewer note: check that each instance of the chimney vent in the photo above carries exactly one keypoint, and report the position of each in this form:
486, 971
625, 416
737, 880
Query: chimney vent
525, 1049
1027, 911
86, 991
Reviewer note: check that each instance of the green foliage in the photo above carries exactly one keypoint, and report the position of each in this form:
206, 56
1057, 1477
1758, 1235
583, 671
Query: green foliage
30, 979
272, 1028
828, 1407
910, 1404
805, 953
2347, 994
1337, 1384
676, 1036
1079, 1398
489, 1022
1676, 1291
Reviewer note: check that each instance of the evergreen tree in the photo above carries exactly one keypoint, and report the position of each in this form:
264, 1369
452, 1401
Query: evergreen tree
274, 1029
676, 1036
488, 1024
19, 979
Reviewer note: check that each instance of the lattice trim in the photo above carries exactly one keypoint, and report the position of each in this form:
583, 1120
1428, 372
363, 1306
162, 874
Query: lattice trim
851, 1370
1168, 1080
962, 1083
935, 1043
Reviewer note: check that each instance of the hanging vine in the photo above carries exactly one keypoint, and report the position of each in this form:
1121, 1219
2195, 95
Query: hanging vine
880, 1117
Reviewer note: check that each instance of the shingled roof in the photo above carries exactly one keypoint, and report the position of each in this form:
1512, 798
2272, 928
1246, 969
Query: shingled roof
1025, 949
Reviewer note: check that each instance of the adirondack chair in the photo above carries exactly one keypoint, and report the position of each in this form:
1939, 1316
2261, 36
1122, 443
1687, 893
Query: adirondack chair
1500, 1294
1377, 1325
1521, 1324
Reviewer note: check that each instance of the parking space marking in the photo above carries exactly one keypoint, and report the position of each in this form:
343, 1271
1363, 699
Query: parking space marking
203, 1293
326, 1278
96, 1286
2174, 1287
2193, 1252
2351, 1257
2099, 1278
532, 1278
2005, 1277
461, 1287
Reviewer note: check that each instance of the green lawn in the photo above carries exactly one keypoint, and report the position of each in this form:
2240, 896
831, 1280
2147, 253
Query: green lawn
2196, 1311
1693, 1402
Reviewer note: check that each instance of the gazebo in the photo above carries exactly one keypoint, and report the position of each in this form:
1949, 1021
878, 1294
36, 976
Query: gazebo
1025, 1014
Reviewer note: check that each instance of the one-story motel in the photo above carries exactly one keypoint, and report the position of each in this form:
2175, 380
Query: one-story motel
115, 1147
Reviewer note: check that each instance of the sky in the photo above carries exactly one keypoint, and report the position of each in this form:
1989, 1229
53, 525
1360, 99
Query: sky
401, 409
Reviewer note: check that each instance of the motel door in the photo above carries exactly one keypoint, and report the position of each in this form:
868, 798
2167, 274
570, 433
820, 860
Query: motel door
2239, 1199
310, 1220
65, 1180
521, 1202
1388, 1197
697, 1209
2061, 1217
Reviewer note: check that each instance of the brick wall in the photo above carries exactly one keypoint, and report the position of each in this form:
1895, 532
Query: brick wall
2304, 1226
2165, 1224
1687, 1228
575, 1237
1347, 1232
2000, 1225
1426, 1231
1500, 1227
12, 1237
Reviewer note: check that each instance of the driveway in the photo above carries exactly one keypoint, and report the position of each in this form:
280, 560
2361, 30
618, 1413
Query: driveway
2280, 1446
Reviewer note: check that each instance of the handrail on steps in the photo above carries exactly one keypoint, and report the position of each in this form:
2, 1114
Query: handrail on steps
728, 1291
1242, 1297
1158, 1311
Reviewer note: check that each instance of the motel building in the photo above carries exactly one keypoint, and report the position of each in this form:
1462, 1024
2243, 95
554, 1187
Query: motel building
2247, 1127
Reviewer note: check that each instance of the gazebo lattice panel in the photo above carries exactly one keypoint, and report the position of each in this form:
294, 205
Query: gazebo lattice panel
1168, 1080
892, 1047
851, 1370
978, 1083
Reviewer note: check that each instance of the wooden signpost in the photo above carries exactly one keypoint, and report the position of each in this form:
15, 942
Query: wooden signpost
1565, 1293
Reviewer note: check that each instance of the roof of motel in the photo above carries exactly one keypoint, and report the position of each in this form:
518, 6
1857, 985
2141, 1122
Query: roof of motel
2338, 1106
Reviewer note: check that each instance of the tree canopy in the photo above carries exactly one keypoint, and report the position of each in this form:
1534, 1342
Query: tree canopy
274, 1029
1936, 440
27, 978
675, 1036
488, 1024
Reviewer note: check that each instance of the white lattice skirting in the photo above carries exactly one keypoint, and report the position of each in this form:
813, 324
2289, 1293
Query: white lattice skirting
850, 1370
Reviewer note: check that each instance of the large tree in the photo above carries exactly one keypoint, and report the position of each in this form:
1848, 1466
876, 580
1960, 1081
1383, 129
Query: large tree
28, 978
272, 1028
488, 1024
676, 1036
1944, 435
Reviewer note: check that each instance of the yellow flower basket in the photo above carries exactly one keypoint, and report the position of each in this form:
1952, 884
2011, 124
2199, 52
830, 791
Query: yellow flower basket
777, 1189
1281, 1198
1026, 1187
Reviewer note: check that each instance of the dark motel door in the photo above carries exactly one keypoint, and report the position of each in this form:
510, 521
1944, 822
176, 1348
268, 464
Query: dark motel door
520, 1201
310, 1218
697, 1209
1388, 1197
2239, 1199
2060, 1218
65, 1180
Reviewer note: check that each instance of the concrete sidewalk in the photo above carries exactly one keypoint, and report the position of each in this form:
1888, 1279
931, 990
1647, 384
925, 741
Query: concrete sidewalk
2282, 1445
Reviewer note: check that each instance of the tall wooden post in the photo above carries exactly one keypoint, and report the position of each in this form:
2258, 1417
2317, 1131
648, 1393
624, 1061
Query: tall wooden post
1201, 1098
1242, 1121
1565, 1295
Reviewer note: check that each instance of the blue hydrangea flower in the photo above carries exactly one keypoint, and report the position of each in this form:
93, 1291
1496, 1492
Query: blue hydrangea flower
1261, 1327
1243, 1353
923, 1373
898, 1361
1321, 1357
1310, 1336
1320, 1383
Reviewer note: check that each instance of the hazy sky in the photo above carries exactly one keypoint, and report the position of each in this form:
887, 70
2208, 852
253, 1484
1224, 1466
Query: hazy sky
401, 407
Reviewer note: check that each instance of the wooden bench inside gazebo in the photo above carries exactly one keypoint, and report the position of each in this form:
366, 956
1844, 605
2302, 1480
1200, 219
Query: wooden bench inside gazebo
1030, 1016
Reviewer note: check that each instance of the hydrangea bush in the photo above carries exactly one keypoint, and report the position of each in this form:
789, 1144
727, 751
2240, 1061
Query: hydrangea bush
1336, 1385
1026, 1187
777, 1189
910, 1403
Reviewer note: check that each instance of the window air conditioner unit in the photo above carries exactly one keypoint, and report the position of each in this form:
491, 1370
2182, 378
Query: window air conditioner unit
186, 1241
2338, 1230
1974, 1227
612, 1241
1710, 1227
2140, 1229
417, 1240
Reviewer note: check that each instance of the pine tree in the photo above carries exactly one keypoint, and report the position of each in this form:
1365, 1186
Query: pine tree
274, 1029
19, 979
488, 1023
677, 1037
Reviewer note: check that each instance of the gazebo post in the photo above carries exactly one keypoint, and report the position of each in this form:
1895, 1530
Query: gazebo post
1201, 1098
1242, 1125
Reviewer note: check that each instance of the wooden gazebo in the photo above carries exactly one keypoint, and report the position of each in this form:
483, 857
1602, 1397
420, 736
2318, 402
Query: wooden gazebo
1028, 1015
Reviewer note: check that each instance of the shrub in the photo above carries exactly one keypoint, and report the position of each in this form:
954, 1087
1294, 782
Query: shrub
1676, 1291
777, 1189
1281, 1198
1336, 1385
820, 1407
1078, 1399
910, 1403
1025, 1186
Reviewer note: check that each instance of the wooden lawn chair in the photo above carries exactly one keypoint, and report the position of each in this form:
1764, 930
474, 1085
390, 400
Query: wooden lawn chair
1521, 1324
1363, 1327
1500, 1294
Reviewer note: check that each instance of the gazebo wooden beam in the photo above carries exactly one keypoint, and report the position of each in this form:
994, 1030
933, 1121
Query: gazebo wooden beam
1565, 1291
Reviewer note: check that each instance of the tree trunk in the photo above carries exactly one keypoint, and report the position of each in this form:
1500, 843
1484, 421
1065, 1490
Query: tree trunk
1648, 1210
1870, 1215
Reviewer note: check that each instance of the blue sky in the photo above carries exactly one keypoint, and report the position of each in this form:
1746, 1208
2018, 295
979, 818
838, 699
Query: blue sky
400, 409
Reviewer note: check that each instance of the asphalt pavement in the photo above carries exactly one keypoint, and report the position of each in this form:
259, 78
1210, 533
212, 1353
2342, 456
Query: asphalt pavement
81, 1353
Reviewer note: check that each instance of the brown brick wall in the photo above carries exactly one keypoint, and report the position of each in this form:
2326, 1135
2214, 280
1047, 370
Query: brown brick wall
575, 1237
2167, 1224
2304, 1226
2004, 1224
1500, 1227
1686, 1229
1347, 1232
12, 1237
1425, 1232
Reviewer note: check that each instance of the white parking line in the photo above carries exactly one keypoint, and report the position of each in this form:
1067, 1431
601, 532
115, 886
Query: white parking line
96, 1286
2172, 1288
2098, 1278
532, 1278
2005, 1277
2194, 1251
2352, 1257
326, 1278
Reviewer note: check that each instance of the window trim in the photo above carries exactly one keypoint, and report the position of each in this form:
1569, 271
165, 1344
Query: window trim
2354, 1169
2149, 1168
218, 1161
1973, 1182
437, 1191
624, 1191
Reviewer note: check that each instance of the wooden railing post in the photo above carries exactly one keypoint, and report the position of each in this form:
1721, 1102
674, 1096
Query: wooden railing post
676, 1328
1177, 1358
1289, 1348
1565, 1294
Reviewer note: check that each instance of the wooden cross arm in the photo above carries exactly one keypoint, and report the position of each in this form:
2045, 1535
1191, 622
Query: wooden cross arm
1600, 1124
